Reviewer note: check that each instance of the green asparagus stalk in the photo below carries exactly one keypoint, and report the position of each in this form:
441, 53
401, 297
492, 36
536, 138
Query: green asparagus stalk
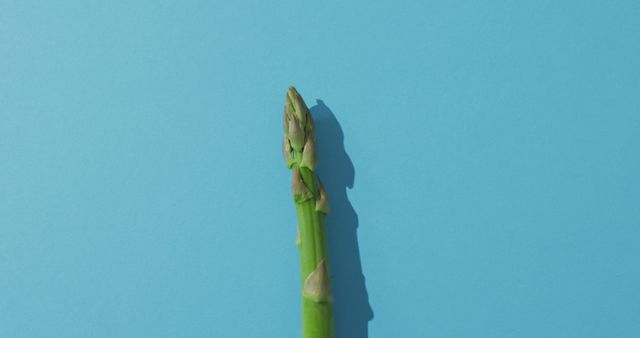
299, 150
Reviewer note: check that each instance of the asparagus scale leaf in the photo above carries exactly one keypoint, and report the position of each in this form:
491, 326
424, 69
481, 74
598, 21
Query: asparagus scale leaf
312, 206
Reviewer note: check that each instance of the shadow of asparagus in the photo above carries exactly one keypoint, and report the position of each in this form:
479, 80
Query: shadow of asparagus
351, 301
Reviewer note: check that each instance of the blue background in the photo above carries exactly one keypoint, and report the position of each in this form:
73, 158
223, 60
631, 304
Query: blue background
486, 186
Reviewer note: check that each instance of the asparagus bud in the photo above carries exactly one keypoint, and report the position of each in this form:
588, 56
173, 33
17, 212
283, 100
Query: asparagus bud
285, 120
295, 134
308, 128
309, 154
286, 152
300, 191
322, 203
317, 286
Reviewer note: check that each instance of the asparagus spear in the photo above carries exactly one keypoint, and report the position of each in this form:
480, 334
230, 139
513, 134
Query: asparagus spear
312, 206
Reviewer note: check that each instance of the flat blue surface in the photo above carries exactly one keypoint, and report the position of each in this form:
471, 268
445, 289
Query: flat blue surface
482, 157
